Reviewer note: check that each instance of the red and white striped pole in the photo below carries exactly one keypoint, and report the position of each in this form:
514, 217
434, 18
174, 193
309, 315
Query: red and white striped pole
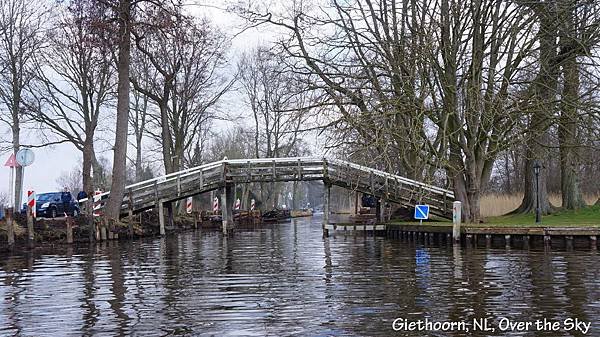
237, 204
215, 205
188, 205
252, 204
31, 202
97, 205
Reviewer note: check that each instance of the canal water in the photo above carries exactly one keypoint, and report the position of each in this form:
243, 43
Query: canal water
287, 280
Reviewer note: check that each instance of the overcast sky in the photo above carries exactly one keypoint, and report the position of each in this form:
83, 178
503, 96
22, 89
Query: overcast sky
50, 162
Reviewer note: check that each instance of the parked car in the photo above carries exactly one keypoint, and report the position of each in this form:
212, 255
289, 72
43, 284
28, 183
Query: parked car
53, 204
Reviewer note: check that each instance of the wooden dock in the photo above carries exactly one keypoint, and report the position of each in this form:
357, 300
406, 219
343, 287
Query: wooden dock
520, 237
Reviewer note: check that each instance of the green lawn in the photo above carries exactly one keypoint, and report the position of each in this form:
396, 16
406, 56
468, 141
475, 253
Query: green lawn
587, 217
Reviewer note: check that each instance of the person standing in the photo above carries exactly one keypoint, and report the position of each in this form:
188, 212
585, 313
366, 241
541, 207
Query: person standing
66, 199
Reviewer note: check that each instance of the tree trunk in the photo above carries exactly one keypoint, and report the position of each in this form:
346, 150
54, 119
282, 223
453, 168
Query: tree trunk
572, 197
166, 139
542, 103
88, 161
113, 207
138, 159
98, 177
16, 131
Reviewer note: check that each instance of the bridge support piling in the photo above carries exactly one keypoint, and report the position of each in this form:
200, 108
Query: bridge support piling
326, 199
170, 217
381, 216
161, 216
227, 196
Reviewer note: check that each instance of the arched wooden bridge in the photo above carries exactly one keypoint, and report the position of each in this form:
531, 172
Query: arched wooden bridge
222, 175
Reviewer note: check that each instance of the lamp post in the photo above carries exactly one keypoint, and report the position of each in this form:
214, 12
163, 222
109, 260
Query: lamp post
536, 170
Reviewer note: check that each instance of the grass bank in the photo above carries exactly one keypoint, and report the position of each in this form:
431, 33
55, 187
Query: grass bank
585, 217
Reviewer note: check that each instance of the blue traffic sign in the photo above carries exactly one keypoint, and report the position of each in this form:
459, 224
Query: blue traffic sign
421, 212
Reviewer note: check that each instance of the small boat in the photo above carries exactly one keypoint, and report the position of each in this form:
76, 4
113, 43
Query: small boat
297, 213
276, 215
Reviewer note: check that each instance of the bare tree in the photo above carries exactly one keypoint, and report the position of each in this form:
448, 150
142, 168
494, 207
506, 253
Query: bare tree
75, 81
70, 180
281, 103
187, 55
137, 121
419, 88
21, 41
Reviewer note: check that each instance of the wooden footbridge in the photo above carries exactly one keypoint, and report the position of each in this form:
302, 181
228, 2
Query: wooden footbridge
223, 175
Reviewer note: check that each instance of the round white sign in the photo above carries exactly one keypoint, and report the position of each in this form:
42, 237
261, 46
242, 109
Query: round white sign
25, 157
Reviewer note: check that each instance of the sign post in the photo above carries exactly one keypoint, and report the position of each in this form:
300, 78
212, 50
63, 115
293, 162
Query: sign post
12, 163
421, 213
24, 157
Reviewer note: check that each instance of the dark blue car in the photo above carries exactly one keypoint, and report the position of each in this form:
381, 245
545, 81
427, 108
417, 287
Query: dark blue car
53, 204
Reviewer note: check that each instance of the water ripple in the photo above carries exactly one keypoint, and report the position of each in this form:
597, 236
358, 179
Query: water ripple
285, 280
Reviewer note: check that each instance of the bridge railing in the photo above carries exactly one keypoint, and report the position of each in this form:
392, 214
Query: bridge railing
391, 187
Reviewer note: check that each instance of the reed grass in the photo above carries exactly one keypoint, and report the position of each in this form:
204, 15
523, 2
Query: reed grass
500, 204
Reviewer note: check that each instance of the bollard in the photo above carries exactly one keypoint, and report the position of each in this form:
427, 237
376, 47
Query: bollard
456, 219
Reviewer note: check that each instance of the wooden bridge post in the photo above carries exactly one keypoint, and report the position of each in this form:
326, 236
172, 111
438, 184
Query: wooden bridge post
326, 200
161, 216
30, 234
170, 223
227, 196
69, 223
89, 211
130, 213
10, 232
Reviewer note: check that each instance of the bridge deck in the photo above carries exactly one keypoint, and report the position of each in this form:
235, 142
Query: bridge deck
393, 188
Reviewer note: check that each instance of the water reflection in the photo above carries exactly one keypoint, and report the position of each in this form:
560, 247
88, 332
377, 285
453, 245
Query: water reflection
286, 279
